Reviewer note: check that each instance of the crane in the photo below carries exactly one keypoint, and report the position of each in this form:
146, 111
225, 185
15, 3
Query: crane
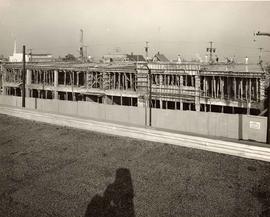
262, 34
268, 97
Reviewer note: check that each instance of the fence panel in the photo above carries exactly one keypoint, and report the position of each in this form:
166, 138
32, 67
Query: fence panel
30, 103
234, 126
254, 128
8, 100
67, 107
212, 124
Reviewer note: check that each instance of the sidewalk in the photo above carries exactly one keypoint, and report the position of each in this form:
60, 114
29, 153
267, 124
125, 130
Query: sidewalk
250, 150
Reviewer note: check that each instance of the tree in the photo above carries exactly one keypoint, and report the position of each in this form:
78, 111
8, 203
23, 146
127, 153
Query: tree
69, 57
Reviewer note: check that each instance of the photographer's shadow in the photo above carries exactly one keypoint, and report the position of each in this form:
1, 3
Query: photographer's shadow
117, 200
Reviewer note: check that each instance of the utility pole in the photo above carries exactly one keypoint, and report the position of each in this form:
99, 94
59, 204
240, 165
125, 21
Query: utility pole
146, 50
268, 94
150, 96
211, 50
268, 118
150, 93
23, 78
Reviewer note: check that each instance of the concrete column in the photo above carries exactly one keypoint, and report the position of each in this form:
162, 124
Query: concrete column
114, 80
197, 93
229, 87
28, 82
215, 87
249, 82
248, 108
126, 82
234, 88
131, 81
28, 77
119, 80
55, 84
4, 92
221, 87
181, 104
257, 90
141, 102
204, 86
246, 89
261, 89
241, 89
65, 77
27, 92
73, 96
66, 96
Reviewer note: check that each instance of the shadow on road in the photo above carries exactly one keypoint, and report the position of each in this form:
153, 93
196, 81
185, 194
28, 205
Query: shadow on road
117, 199
262, 192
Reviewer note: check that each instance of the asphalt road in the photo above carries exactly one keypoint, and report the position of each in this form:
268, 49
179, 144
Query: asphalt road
48, 170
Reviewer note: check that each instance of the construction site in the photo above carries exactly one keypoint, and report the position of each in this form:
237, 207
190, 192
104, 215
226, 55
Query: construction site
143, 90
132, 80
222, 88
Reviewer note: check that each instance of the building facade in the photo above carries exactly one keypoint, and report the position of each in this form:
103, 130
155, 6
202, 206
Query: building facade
178, 86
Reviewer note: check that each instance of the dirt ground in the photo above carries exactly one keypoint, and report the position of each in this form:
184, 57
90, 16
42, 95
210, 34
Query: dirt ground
48, 170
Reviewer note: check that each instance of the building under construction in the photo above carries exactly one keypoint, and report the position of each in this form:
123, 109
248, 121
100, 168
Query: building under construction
228, 88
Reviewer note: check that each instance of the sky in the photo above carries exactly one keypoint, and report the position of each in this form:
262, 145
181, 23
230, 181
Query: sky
172, 27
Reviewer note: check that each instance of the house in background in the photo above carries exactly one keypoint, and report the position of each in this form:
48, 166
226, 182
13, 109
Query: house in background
135, 58
40, 57
18, 57
160, 58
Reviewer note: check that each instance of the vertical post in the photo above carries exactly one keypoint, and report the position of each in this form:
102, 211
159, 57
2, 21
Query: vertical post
131, 82
55, 84
268, 118
234, 88
150, 97
23, 78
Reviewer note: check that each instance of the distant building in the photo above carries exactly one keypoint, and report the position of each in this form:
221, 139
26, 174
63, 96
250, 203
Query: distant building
18, 57
40, 57
123, 58
135, 58
160, 58
117, 57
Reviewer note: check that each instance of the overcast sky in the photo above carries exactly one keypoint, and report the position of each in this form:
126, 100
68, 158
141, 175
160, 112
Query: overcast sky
172, 27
